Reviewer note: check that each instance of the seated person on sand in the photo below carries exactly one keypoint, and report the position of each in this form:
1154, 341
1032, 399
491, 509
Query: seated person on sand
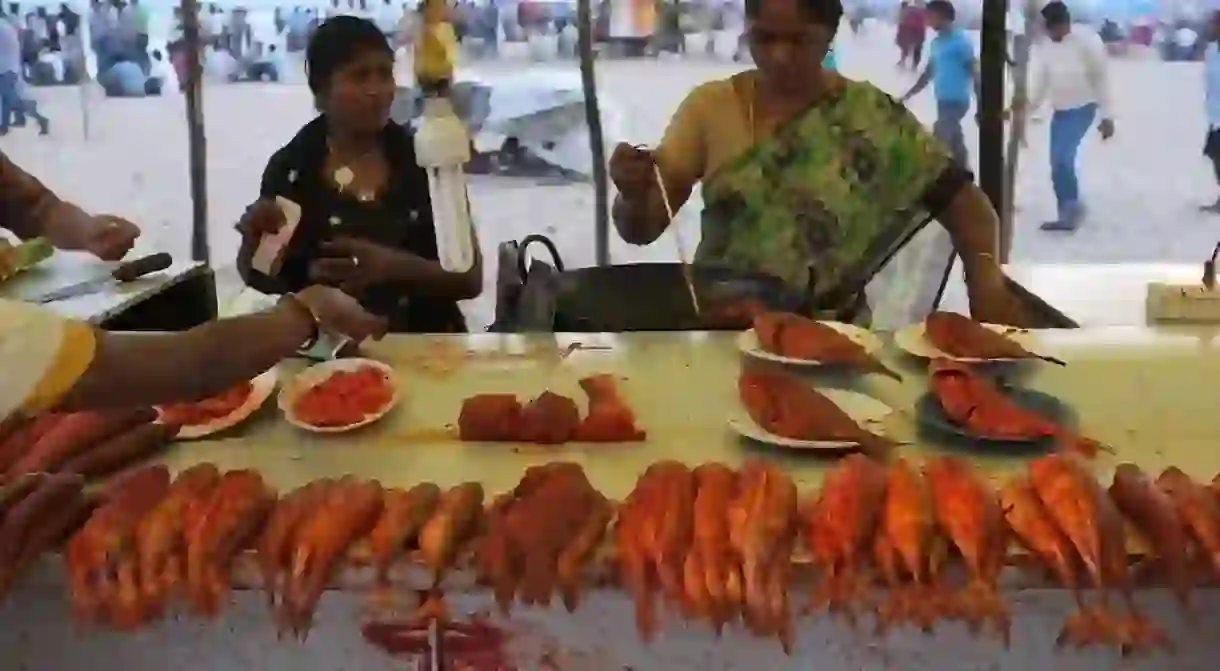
810, 177
124, 79
161, 77
265, 66
366, 218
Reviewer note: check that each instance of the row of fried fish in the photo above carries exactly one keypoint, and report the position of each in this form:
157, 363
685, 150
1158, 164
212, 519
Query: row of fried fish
716, 543
899, 521
153, 539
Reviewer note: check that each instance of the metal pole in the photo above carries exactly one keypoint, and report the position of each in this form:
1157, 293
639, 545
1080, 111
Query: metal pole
992, 63
597, 146
197, 142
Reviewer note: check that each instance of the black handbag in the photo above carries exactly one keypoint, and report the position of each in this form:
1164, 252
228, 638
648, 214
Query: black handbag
527, 290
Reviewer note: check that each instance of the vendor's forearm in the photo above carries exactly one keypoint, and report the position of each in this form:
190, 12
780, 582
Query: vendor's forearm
31, 210
132, 369
638, 222
67, 226
429, 278
974, 226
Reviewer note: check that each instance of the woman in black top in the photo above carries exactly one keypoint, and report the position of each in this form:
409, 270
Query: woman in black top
366, 219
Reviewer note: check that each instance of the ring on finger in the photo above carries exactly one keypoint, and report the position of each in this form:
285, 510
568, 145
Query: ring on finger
355, 262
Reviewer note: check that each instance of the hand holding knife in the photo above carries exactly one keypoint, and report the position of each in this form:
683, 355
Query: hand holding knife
126, 272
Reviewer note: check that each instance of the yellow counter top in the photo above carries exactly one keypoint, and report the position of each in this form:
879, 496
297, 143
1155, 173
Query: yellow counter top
1148, 393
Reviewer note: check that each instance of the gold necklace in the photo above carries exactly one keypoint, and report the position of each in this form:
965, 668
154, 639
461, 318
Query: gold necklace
344, 176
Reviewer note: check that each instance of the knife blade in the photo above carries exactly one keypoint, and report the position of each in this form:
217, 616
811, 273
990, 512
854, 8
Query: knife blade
124, 273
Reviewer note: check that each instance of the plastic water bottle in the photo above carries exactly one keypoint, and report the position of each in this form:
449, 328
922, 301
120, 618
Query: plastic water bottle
442, 148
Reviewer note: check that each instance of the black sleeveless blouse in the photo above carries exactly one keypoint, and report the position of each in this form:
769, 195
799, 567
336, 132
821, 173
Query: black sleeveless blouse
401, 218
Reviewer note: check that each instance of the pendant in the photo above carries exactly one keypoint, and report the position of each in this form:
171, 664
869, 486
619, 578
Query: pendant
343, 178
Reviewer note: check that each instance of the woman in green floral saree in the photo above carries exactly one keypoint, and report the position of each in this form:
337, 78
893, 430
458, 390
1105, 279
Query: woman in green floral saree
814, 178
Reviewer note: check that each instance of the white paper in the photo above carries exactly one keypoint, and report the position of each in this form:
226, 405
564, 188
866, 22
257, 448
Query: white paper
270, 253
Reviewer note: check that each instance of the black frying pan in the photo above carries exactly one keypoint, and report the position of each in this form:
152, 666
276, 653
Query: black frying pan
654, 296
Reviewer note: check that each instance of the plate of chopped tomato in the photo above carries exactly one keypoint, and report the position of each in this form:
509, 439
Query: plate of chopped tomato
340, 395
222, 411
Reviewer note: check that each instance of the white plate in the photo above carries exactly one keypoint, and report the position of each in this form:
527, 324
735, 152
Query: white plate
314, 375
867, 411
747, 342
263, 386
912, 339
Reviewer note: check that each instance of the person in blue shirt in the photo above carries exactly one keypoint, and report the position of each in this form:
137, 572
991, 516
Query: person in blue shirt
952, 72
124, 79
1211, 73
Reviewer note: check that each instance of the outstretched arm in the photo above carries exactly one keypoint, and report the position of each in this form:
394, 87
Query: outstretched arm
31, 210
640, 218
144, 369
920, 84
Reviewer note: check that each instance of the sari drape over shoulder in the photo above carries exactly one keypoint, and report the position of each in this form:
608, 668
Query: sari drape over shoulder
42, 355
832, 203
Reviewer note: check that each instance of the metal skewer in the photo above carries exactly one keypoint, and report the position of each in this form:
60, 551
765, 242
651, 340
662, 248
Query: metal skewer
687, 274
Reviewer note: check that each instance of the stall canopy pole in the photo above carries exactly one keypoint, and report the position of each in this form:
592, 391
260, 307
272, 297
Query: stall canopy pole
597, 145
993, 61
1021, 44
88, 63
196, 141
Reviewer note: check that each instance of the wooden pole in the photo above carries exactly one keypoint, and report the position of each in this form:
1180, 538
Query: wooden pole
1022, 47
597, 146
196, 140
88, 63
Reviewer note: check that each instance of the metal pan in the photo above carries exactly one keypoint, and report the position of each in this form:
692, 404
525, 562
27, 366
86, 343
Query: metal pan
655, 297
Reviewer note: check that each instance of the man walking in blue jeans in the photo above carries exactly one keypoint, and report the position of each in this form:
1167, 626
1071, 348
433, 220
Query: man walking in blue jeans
951, 70
1073, 77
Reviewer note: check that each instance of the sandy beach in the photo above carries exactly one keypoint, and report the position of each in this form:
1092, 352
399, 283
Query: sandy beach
1142, 188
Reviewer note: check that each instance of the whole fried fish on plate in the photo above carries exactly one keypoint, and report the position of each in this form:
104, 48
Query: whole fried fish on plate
785, 406
961, 337
792, 338
976, 404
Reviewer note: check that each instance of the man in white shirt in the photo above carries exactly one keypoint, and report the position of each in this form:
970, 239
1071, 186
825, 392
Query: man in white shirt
1211, 101
1072, 75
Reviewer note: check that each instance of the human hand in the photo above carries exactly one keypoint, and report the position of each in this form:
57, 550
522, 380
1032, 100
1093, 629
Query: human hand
632, 169
354, 264
109, 238
339, 313
262, 217
1106, 128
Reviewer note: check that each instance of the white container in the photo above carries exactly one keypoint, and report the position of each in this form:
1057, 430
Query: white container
442, 148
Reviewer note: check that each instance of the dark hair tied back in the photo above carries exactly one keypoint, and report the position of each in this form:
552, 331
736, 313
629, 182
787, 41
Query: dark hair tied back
335, 43
827, 13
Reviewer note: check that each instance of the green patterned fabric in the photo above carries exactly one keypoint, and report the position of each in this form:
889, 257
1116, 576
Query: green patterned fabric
828, 200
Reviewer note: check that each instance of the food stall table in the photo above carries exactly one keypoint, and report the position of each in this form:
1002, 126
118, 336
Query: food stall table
1092, 294
1136, 389
179, 297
